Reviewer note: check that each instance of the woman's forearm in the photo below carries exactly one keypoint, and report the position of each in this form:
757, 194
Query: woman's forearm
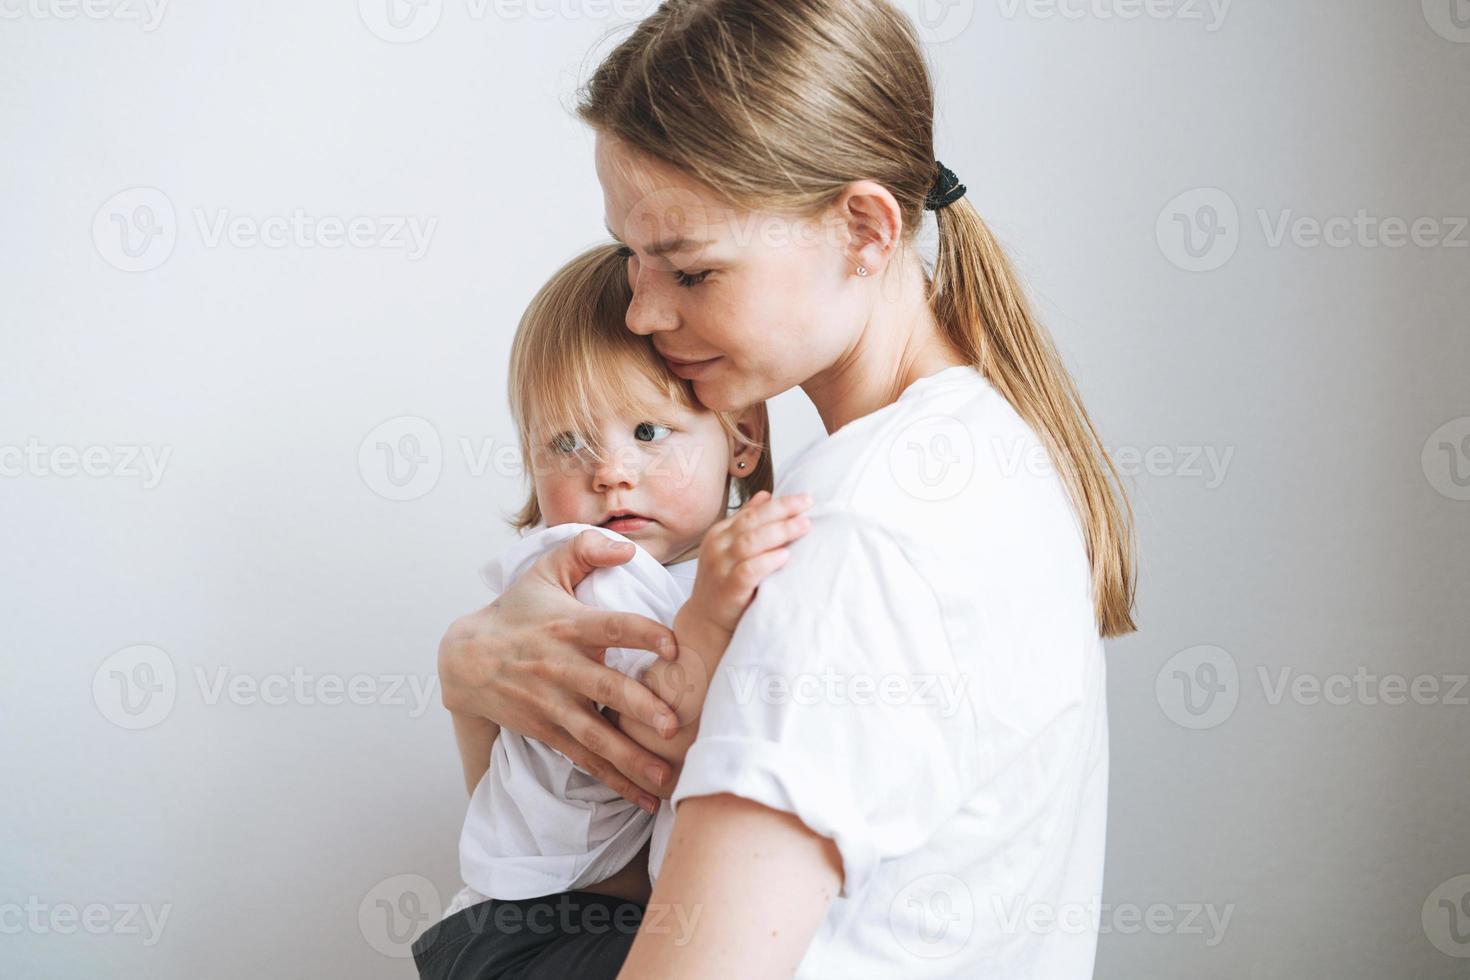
475, 737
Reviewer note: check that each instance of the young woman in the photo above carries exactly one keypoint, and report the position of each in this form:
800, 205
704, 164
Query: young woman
767, 163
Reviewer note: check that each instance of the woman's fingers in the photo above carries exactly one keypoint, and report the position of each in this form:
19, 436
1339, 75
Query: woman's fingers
598, 629
622, 693
603, 743
571, 561
602, 770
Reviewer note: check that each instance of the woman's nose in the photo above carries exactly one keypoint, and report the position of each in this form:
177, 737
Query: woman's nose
651, 310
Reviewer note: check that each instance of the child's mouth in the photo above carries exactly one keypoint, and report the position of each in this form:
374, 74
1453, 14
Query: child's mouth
625, 522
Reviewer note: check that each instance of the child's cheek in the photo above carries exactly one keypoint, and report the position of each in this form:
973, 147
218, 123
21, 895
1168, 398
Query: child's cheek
559, 499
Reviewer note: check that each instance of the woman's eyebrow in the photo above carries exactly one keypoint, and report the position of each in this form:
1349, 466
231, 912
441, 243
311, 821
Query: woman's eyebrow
672, 245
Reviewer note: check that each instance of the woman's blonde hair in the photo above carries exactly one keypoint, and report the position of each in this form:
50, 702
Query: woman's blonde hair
574, 358
780, 104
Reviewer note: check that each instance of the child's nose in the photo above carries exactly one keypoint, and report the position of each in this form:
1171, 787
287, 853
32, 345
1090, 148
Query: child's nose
614, 470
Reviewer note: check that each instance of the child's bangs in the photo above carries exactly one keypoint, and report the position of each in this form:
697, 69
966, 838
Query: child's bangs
591, 378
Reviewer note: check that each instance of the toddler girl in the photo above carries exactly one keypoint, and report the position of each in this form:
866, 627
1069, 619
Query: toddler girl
556, 865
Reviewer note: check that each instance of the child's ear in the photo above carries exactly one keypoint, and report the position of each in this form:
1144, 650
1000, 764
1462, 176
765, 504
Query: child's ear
751, 425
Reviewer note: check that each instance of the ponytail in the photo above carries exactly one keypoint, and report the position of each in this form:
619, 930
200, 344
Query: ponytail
982, 310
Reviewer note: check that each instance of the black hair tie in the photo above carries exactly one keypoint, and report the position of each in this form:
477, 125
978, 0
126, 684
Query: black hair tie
946, 190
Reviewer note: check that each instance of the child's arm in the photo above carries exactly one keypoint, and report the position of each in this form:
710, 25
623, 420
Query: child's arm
476, 737
735, 557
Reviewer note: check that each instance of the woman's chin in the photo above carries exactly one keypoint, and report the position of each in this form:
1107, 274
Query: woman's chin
720, 395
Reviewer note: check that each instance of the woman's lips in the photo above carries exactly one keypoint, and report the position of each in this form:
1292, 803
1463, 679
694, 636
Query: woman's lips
692, 370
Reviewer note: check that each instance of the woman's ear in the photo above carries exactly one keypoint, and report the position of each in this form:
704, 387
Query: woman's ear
745, 455
874, 224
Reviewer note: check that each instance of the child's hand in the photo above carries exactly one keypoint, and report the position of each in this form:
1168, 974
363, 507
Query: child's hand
740, 551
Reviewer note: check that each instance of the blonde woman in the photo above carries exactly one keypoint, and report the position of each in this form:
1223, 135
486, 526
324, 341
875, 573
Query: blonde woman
767, 164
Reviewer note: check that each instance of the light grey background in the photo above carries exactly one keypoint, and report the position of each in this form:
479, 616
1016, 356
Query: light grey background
1327, 538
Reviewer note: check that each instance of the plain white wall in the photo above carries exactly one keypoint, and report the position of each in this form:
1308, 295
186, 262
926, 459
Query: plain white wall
224, 751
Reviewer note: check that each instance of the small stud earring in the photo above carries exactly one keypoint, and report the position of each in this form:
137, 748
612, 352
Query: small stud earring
742, 464
862, 272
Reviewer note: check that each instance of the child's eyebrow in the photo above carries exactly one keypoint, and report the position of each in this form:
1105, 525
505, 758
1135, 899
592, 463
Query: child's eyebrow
664, 248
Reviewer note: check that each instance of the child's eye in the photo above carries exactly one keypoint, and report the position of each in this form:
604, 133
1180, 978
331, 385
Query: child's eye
567, 442
651, 432
690, 280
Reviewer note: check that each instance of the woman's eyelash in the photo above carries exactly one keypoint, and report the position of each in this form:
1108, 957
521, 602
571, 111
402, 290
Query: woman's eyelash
686, 279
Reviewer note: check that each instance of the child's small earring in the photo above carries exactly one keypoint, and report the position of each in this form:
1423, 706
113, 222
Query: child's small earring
862, 271
741, 464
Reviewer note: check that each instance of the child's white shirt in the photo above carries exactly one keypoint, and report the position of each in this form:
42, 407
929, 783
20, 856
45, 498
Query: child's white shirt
537, 824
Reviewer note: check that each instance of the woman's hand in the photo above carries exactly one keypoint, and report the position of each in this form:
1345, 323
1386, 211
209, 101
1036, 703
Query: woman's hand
531, 662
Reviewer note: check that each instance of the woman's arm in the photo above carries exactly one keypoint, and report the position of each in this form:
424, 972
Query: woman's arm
529, 662
714, 913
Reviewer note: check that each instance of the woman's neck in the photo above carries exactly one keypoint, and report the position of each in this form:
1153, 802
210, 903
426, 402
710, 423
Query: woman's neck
900, 343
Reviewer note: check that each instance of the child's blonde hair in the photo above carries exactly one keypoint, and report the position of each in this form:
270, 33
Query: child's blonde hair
780, 104
573, 359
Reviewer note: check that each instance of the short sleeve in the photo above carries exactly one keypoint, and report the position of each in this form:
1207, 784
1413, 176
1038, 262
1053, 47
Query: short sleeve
839, 701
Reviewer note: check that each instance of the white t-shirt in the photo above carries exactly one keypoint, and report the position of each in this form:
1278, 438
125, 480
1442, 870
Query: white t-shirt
537, 824
923, 684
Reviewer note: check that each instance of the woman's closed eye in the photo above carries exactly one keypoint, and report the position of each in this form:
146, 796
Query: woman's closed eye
686, 279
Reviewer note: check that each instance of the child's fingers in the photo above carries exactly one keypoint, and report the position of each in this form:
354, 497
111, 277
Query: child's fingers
771, 509
752, 571
764, 537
